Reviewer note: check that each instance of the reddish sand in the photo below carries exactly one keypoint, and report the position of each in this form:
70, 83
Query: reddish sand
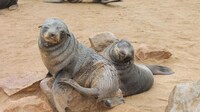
174, 24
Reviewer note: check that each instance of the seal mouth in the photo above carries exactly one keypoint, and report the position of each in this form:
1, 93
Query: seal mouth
127, 59
124, 55
124, 59
52, 38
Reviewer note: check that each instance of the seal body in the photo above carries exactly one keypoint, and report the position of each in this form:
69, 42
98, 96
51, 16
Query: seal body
134, 78
74, 65
7, 3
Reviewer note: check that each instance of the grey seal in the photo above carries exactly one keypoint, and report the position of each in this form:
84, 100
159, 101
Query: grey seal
11, 4
134, 78
72, 64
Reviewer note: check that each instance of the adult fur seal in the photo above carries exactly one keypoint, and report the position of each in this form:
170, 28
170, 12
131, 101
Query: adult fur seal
11, 4
78, 1
75, 64
134, 78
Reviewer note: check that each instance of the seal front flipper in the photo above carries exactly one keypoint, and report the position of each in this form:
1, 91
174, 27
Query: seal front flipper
46, 89
160, 70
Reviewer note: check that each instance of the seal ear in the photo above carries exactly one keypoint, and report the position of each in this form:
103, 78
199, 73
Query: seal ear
40, 26
69, 34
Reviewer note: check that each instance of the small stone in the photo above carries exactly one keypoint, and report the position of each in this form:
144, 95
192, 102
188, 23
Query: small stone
102, 40
185, 97
145, 52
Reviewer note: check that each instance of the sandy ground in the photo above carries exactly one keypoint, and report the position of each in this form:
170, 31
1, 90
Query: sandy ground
173, 24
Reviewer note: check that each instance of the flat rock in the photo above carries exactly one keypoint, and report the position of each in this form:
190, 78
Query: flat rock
102, 40
73, 101
14, 83
26, 104
80, 103
185, 97
145, 52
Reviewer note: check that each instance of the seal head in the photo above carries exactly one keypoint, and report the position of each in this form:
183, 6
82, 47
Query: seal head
53, 31
122, 52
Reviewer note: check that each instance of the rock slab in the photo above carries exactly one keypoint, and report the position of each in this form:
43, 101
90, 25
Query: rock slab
14, 83
145, 52
185, 98
26, 104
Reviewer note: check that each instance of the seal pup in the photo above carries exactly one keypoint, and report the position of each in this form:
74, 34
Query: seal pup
72, 64
134, 78
10, 4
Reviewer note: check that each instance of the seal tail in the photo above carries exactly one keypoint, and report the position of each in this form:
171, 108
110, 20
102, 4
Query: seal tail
160, 70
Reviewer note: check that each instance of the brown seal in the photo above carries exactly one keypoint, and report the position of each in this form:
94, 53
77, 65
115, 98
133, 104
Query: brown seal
134, 78
74, 64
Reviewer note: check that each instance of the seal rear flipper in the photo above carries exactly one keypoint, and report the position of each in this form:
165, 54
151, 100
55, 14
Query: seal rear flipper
160, 70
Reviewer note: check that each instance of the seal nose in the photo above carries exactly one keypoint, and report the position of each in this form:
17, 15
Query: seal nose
125, 55
122, 53
52, 34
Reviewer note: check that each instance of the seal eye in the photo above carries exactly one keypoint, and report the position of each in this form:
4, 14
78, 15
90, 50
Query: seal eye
62, 32
45, 27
